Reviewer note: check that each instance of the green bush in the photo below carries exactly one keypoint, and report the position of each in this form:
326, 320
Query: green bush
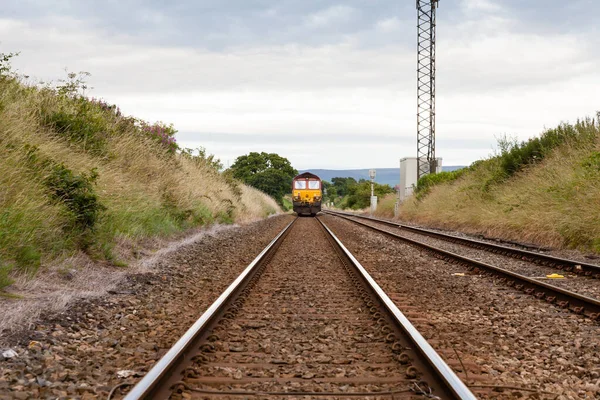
77, 193
81, 122
515, 155
359, 195
425, 183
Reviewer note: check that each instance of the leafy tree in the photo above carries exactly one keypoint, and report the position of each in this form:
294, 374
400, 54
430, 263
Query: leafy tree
359, 195
268, 172
342, 185
329, 191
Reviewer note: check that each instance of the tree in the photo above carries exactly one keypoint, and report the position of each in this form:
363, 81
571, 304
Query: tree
359, 195
268, 172
343, 185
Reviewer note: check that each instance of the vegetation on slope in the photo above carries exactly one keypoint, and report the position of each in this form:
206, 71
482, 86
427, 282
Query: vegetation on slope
544, 190
78, 176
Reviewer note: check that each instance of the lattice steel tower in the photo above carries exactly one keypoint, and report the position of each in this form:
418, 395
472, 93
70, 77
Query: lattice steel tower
426, 160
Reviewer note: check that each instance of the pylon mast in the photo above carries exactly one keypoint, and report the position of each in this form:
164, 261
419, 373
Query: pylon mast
426, 160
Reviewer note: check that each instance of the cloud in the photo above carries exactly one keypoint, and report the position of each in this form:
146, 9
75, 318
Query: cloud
388, 24
338, 14
487, 6
330, 84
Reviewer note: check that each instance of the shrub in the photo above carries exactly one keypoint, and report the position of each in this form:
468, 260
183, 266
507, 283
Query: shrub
202, 158
163, 134
80, 122
359, 195
425, 183
77, 193
515, 155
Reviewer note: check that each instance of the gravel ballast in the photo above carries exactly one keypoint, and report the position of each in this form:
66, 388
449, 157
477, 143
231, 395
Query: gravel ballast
517, 340
577, 283
102, 342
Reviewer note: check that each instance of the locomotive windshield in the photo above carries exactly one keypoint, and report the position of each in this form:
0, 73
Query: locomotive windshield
300, 185
313, 184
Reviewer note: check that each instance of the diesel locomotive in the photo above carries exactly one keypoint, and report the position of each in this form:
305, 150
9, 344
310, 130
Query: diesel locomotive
307, 194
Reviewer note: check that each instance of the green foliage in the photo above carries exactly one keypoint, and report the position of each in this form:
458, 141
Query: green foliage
76, 193
348, 193
5, 67
5, 279
163, 134
233, 183
267, 172
592, 163
359, 195
75, 84
80, 121
286, 204
425, 183
28, 258
514, 156
341, 186
202, 158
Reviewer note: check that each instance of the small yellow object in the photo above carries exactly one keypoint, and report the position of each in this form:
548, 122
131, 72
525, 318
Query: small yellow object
555, 276
458, 274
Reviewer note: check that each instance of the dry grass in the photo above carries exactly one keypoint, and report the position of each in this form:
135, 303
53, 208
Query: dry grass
146, 191
385, 207
554, 203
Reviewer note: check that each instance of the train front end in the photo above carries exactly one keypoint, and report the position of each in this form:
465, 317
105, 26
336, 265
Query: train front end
307, 194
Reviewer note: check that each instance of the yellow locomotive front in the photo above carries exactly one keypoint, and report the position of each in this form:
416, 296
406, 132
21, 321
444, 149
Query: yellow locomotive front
307, 194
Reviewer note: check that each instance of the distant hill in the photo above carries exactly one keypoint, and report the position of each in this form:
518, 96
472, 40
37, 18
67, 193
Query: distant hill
390, 176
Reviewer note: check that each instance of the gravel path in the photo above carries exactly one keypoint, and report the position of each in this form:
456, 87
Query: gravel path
516, 339
99, 343
577, 283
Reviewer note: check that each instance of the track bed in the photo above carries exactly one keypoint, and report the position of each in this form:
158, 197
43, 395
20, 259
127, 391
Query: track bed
304, 324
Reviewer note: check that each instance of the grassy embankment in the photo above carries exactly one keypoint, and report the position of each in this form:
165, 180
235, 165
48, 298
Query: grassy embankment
545, 190
77, 177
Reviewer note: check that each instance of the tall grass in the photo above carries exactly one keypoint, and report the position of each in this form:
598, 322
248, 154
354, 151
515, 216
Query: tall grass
546, 190
76, 175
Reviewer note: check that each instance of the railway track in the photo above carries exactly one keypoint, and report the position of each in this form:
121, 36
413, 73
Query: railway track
303, 319
579, 294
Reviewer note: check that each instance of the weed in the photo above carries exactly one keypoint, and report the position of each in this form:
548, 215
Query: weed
5, 279
76, 193
592, 162
28, 258
75, 84
163, 134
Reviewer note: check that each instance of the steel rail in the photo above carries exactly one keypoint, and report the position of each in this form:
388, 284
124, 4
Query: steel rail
542, 259
453, 383
576, 302
163, 368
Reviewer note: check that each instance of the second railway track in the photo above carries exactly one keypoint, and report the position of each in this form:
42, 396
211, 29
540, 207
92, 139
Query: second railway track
304, 319
579, 292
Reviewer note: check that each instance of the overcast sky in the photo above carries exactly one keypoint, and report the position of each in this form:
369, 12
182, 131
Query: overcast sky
327, 84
